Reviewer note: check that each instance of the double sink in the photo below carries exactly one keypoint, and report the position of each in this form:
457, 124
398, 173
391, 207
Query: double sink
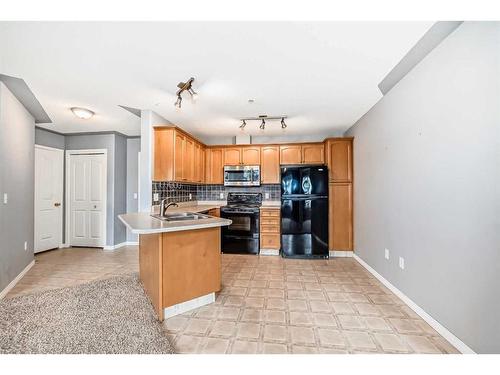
181, 216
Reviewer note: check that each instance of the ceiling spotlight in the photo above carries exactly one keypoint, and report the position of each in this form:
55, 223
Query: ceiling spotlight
178, 102
243, 124
82, 113
194, 94
263, 124
283, 125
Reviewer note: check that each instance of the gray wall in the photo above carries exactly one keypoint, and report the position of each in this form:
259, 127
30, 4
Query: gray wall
101, 141
17, 139
133, 148
46, 138
120, 195
427, 184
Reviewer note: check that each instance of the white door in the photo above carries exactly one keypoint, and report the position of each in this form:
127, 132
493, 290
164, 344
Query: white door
49, 164
87, 199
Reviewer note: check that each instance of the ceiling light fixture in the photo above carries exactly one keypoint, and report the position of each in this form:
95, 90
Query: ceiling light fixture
82, 113
185, 86
263, 119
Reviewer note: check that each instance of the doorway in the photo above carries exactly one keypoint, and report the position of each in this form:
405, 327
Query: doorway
86, 191
49, 182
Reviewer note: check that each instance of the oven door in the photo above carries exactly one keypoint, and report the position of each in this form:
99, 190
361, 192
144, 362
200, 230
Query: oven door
243, 224
241, 176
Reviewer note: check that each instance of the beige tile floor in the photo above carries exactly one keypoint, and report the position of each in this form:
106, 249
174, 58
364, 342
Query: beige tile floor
267, 305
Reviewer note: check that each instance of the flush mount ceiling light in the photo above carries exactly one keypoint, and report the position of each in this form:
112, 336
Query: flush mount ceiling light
82, 113
185, 86
263, 119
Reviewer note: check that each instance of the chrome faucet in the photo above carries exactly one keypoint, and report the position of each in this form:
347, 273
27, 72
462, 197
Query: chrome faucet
163, 207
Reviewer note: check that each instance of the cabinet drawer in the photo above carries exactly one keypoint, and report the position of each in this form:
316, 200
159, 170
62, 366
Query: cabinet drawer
270, 221
270, 241
270, 213
270, 228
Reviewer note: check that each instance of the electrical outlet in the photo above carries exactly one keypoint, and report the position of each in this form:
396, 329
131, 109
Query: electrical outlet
266, 195
156, 197
387, 254
190, 196
221, 195
25, 245
402, 263
135, 195
5, 198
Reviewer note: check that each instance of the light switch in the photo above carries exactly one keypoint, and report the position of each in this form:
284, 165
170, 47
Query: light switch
135, 195
5, 198
221, 195
266, 195
156, 197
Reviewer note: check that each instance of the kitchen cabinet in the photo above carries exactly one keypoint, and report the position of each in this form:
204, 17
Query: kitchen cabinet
270, 165
270, 229
339, 159
244, 155
176, 156
215, 166
313, 153
340, 228
199, 163
214, 212
291, 154
232, 156
307, 153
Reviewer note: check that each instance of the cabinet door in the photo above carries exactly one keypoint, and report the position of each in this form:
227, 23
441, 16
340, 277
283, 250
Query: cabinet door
313, 154
197, 162
163, 154
188, 162
270, 166
291, 154
232, 156
215, 166
340, 160
250, 155
179, 150
340, 216
201, 165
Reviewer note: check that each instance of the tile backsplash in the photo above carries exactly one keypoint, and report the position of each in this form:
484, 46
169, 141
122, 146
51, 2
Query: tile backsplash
178, 192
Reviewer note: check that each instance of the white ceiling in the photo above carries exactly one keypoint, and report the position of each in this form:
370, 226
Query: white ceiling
323, 75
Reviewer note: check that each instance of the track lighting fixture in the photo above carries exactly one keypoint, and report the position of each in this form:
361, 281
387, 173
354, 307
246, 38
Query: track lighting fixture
185, 86
263, 119
263, 124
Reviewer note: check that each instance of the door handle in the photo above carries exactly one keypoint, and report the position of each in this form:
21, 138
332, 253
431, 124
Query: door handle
57, 204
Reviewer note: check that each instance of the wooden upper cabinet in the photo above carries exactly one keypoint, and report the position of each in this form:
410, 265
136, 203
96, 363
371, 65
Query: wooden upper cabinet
250, 155
339, 159
291, 154
199, 163
179, 150
188, 162
270, 165
340, 214
232, 156
215, 166
313, 153
163, 154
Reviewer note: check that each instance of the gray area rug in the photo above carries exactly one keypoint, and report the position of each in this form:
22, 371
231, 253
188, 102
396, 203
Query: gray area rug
101, 317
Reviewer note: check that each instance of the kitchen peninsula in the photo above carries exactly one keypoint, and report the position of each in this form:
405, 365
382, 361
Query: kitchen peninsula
179, 259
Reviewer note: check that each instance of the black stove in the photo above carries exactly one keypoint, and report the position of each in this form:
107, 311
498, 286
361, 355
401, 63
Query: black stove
242, 236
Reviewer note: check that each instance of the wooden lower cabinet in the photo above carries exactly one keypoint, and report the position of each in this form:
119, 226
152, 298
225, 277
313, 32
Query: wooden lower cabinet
340, 214
214, 212
270, 228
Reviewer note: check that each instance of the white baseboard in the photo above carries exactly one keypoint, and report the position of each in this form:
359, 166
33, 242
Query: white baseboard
452, 339
13, 283
269, 252
183, 307
64, 245
117, 246
341, 253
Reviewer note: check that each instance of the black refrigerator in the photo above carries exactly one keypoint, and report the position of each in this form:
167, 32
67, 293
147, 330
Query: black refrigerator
304, 211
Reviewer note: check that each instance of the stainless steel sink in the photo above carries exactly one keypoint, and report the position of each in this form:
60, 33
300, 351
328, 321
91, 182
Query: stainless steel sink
181, 216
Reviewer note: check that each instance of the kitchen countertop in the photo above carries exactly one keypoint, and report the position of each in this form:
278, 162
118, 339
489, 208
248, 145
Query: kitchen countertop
271, 204
143, 223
